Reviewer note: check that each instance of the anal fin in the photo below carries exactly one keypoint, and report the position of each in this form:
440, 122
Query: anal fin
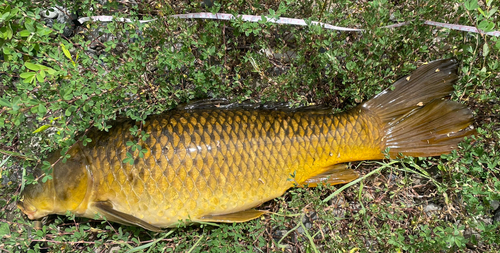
234, 217
107, 210
335, 174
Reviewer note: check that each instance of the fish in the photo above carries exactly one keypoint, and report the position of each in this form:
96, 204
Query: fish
214, 163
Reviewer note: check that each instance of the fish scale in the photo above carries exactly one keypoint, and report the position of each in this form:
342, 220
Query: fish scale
210, 164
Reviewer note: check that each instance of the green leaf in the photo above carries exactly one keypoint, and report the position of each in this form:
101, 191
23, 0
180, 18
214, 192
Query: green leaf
129, 159
66, 51
27, 74
24, 33
5, 102
43, 31
42, 73
17, 119
4, 16
4, 229
15, 103
7, 31
46, 177
86, 140
486, 26
67, 54
31, 66
492, 11
46, 166
31, 80
39, 78
486, 49
471, 5
29, 26
67, 94
51, 71
42, 109
6, 50
13, 11
30, 77
134, 148
68, 112
34, 109
350, 65
41, 129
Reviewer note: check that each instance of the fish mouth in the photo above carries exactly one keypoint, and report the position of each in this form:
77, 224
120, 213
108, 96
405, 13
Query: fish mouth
27, 209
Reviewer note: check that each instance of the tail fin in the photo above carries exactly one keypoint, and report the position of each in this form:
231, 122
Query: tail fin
418, 120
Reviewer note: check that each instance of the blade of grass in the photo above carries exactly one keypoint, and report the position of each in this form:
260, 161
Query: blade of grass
11, 153
311, 240
148, 245
196, 244
288, 232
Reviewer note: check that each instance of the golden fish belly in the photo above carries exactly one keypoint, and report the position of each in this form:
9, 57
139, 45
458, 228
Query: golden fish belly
211, 162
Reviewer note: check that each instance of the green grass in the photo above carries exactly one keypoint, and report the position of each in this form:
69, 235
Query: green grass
176, 61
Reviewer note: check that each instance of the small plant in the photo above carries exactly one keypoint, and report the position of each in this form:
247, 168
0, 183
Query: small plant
56, 87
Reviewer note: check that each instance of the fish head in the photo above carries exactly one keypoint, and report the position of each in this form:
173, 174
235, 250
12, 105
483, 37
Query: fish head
66, 191
37, 200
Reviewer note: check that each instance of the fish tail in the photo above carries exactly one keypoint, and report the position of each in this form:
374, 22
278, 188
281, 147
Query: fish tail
417, 120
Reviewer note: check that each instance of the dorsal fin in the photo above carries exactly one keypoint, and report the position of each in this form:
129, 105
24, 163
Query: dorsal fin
221, 104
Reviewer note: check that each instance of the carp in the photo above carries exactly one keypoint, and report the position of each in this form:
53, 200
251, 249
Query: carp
209, 164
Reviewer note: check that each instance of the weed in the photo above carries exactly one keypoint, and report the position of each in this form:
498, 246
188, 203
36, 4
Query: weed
56, 87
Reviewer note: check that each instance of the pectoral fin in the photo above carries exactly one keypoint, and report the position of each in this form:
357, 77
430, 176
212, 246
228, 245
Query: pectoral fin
234, 217
336, 174
107, 210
